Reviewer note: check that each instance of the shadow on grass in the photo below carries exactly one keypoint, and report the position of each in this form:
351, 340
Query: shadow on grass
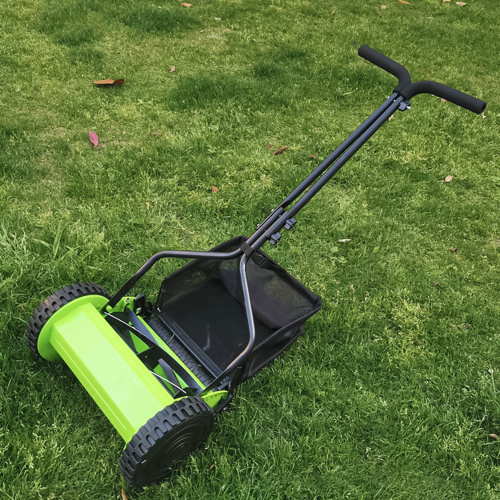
78, 23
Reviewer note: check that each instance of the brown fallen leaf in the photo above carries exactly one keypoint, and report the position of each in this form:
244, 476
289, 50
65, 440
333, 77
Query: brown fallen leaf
449, 178
482, 114
352, 288
184, 4
124, 495
279, 151
493, 436
447, 1
109, 81
443, 100
460, 4
156, 134
172, 69
385, 7
435, 284
269, 146
453, 249
312, 157
404, 1
391, 117
215, 189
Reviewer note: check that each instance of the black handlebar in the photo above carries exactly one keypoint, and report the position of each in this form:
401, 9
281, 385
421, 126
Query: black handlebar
408, 89
388, 64
448, 93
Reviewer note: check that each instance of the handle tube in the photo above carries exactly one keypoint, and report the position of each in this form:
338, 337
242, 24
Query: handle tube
450, 94
407, 89
388, 64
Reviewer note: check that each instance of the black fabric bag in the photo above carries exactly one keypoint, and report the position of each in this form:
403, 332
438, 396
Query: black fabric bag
202, 305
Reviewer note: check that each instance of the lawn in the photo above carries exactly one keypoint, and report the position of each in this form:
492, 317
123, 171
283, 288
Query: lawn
391, 392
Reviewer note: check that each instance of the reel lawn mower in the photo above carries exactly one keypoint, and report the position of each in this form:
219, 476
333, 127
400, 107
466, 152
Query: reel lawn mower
160, 374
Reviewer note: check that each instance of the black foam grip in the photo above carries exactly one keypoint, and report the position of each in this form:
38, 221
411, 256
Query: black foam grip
388, 64
448, 93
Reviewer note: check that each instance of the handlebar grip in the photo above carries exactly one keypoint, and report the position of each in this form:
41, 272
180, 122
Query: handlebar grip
388, 64
448, 93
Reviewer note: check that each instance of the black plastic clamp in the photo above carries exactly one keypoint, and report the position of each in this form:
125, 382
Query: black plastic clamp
274, 238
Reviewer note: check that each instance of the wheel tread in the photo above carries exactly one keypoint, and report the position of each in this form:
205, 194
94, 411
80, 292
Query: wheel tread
52, 304
151, 433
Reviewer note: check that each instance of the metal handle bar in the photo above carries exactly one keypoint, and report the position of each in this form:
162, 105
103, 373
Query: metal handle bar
450, 94
408, 89
388, 64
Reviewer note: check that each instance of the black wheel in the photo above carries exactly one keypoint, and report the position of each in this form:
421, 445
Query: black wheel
166, 438
52, 304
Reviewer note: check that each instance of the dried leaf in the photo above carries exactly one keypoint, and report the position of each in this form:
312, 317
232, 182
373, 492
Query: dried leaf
215, 189
148, 206
312, 157
493, 436
449, 178
447, 1
156, 134
391, 117
184, 4
109, 81
269, 146
385, 7
352, 288
124, 495
460, 4
404, 1
172, 69
279, 151
482, 114
443, 100
435, 284
453, 249
94, 139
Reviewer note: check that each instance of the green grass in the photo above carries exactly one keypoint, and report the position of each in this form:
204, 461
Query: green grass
391, 393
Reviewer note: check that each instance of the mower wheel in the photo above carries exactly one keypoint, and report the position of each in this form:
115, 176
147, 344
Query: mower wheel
166, 438
52, 304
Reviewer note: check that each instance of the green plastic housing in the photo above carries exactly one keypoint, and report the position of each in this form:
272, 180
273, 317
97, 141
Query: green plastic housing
121, 385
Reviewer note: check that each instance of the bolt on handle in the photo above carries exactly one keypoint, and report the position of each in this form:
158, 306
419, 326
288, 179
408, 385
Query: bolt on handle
408, 89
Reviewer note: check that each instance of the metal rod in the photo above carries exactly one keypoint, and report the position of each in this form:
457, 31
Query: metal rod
171, 383
336, 154
251, 329
162, 255
356, 145
130, 327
